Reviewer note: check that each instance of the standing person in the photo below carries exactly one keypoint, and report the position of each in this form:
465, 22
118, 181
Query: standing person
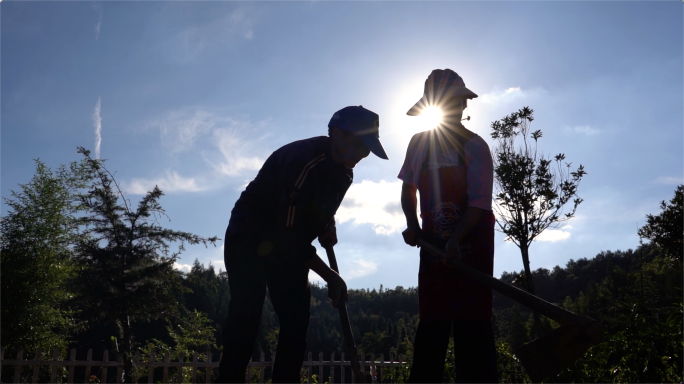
452, 168
292, 201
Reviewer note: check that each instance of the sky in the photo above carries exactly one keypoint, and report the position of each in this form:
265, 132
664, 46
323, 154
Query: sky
194, 96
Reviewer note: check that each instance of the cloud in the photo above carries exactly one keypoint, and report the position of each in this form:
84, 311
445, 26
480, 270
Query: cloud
360, 268
553, 235
512, 93
374, 203
180, 129
98, 10
583, 129
235, 151
171, 182
97, 122
670, 180
182, 267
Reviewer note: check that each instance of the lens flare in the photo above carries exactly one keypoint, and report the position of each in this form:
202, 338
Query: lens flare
431, 116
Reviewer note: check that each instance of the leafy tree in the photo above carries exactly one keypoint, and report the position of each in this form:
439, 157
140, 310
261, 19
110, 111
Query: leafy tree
125, 268
35, 253
531, 190
666, 230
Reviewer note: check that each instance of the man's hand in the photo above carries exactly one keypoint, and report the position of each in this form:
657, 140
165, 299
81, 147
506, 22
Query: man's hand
337, 289
453, 250
411, 235
329, 236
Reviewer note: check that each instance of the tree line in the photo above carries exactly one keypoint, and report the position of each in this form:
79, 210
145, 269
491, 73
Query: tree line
84, 267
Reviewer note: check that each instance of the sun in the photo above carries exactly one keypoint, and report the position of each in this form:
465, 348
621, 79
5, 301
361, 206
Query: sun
431, 117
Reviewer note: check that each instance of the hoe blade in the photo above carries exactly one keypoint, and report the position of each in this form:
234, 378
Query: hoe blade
548, 355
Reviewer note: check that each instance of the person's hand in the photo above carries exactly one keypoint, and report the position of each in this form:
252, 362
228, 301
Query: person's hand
337, 289
411, 235
329, 236
453, 250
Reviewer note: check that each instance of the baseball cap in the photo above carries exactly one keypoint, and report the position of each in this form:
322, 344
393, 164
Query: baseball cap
442, 84
363, 123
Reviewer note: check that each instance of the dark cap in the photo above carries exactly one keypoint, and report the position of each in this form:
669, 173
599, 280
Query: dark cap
362, 123
441, 85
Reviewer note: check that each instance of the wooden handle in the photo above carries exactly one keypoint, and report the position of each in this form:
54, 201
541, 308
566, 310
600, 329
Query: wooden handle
346, 324
547, 309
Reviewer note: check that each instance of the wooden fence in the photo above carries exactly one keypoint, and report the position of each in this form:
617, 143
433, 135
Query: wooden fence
373, 367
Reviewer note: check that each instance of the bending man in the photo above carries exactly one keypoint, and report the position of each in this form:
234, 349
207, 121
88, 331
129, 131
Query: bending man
292, 201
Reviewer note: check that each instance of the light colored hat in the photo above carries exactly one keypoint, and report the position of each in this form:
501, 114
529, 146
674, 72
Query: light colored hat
442, 84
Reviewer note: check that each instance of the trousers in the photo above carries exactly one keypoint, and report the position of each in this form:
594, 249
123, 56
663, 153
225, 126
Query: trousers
474, 351
288, 286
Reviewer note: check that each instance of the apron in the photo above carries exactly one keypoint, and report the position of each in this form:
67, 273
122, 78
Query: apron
444, 293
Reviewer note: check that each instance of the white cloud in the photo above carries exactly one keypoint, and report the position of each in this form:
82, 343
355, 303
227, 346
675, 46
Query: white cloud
553, 235
670, 180
360, 268
235, 152
377, 204
97, 123
219, 265
182, 267
512, 93
583, 129
98, 10
171, 182
180, 129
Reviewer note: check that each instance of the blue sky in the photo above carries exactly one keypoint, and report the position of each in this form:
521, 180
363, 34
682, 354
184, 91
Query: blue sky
194, 96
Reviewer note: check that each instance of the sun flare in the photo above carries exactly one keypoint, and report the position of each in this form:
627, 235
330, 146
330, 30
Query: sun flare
431, 116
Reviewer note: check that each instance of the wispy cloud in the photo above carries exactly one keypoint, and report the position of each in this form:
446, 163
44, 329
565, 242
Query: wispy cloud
179, 129
171, 182
97, 122
374, 203
235, 152
98, 9
360, 268
511, 93
553, 235
670, 180
583, 129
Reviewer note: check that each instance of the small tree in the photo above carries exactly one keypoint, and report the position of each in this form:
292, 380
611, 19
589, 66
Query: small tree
530, 190
666, 230
35, 252
126, 271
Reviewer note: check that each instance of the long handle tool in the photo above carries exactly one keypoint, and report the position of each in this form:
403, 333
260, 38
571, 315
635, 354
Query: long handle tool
550, 354
346, 325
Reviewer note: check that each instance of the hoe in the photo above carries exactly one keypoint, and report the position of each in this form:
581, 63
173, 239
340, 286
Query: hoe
548, 355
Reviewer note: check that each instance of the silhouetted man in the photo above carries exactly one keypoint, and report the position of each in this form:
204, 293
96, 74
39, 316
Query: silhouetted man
452, 168
291, 202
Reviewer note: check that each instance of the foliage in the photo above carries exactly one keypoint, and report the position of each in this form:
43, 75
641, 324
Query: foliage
666, 230
531, 190
35, 253
125, 270
191, 333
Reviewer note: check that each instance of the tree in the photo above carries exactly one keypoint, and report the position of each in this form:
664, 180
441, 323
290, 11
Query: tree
125, 269
531, 190
35, 252
666, 230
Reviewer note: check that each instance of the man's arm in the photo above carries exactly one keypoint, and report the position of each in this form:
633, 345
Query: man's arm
337, 288
409, 204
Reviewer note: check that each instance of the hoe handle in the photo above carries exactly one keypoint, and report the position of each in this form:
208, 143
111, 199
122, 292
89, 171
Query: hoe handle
562, 316
346, 325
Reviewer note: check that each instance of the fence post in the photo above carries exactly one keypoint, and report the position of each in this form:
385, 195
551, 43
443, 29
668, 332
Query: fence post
165, 376
105, 359
119, 367
320, 368
150, 368
342, 368
36, 364
17, 369
372, 368
194, 367
308, 380
55, 359
332, 368
209, 371
180, 367
262, 368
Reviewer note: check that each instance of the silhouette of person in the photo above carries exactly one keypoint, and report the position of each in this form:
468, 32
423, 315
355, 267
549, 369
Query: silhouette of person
452, 168
291, 202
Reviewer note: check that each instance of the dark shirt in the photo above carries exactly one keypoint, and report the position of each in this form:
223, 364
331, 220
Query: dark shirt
292, 200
